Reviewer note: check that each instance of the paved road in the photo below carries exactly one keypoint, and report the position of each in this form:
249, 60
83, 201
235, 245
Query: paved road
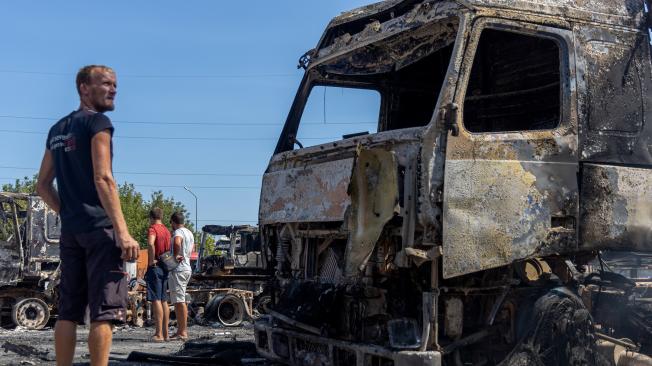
23, 347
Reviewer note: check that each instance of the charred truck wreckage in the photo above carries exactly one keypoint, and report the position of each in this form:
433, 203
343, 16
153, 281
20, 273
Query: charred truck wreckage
29, 259
512, 148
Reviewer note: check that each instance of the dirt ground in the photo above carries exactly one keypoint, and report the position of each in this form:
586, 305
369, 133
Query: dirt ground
25, 347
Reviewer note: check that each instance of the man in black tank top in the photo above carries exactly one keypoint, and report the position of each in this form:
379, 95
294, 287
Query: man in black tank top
94, 235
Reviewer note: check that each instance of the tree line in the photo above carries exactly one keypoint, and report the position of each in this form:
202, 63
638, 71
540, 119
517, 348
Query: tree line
134, 206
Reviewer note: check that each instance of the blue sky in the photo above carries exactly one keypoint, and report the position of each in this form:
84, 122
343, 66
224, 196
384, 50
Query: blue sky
203, 88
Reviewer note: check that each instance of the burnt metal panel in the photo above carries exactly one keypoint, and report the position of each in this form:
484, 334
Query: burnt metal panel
45, 230
313, 193
11, 250
614, 83
616, 208
374, 196
496, 212
627, 13
425, 18
9, 263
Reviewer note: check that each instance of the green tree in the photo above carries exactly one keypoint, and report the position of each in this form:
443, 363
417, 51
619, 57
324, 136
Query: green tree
136, 211
134, 206
210, 246
25, 185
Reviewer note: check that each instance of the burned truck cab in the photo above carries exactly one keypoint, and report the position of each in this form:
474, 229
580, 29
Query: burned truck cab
511, 146
29, 256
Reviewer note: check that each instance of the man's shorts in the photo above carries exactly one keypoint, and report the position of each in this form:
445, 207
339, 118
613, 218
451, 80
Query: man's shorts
178, 283
157, 283
92, 275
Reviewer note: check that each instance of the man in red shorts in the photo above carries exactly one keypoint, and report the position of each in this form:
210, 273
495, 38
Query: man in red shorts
94, 236
158, 240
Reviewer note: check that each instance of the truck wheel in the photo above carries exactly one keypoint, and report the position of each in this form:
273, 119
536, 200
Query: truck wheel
230, 311
30, 313
558, 331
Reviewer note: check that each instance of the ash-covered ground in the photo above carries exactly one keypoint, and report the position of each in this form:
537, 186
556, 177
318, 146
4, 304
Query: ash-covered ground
29, 347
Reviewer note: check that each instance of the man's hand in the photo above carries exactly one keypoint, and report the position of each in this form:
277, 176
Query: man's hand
179, 258
130, 248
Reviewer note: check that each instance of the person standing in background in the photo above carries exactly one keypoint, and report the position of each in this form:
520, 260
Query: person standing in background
158, 241
182, 243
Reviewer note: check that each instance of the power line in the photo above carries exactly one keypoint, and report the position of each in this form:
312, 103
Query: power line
225, 220
161, 76
197, 138
166, 186
207, 123
196, 187
192, 174
156, 173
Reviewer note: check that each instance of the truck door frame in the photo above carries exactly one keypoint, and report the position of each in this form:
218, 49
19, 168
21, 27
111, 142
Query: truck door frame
511, 195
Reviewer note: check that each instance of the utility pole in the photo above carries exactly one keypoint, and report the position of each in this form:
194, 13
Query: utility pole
194, 195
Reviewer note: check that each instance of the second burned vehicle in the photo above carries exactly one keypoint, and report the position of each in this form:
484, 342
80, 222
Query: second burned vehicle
235, 279
29, 260
512, 145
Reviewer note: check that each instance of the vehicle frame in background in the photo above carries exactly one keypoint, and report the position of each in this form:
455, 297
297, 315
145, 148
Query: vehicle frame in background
29, 256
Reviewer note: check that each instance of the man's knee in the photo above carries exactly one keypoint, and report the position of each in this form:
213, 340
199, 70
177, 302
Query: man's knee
101, 324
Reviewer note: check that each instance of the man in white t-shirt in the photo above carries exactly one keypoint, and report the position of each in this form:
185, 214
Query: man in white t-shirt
182, 244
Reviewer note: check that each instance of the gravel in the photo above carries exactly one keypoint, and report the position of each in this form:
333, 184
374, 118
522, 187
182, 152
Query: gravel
30, 347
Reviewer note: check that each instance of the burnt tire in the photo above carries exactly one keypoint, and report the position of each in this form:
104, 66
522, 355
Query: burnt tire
230, 311
559, 331
30, 313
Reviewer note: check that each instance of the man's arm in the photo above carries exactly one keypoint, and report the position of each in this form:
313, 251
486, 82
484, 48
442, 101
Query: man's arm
151, 252
178, 241
44, 186
108, 193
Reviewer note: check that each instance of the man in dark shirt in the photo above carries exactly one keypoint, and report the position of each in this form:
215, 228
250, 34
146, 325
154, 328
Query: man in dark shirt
158, 241
94, 236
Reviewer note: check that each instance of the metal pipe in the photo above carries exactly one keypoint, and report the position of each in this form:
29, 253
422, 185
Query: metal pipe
294, 323
196, 200
200, 253
19, 238
617, 341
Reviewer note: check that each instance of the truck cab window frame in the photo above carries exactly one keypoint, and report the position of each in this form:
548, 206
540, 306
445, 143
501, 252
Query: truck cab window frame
540, 34
352, 127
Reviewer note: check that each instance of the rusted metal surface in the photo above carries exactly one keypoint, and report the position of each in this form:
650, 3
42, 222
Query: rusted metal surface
44, 233
435, 27
382, 22
628, 13
301, 187
314, 193
499, 212
30, 244
374, 196
616, 208
614, 80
